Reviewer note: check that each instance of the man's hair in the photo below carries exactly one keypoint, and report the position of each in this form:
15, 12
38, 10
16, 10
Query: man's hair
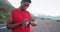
26, 1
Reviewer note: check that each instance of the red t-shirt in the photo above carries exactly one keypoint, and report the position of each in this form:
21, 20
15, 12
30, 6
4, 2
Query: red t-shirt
19, 15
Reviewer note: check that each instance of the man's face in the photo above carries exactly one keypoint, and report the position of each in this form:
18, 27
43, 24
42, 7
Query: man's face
25, 5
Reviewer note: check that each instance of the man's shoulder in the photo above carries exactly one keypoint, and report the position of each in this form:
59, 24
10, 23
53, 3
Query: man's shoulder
27, 11
14, 9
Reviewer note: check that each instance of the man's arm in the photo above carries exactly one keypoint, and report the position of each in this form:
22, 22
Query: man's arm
10, 24
32, 21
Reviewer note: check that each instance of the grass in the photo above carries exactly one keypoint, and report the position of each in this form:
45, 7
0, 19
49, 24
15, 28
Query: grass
1, 21
58, 20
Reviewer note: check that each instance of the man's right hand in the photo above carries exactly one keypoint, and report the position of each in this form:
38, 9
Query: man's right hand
24, 22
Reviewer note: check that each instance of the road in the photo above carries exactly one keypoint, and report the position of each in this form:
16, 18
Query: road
46, 26
43, 26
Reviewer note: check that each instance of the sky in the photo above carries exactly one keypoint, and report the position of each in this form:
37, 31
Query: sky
41, 7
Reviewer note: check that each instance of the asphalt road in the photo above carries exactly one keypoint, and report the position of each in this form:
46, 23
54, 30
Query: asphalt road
43, 26
46, 26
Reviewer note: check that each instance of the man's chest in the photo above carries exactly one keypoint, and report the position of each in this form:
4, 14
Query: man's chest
22, 15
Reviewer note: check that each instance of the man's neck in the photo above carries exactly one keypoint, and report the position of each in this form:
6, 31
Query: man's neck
21, 9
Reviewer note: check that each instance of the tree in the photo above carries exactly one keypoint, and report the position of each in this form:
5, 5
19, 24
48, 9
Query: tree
5, 6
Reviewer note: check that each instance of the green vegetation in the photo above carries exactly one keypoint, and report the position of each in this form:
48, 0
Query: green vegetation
42, 18
5, 6
58, 20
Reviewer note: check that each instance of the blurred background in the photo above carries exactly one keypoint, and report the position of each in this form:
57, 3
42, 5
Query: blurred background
45, 12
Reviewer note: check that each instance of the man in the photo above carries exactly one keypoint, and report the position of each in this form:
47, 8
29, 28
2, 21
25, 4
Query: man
19, 19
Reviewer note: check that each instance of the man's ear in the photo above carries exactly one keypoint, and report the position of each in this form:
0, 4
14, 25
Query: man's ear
21, 2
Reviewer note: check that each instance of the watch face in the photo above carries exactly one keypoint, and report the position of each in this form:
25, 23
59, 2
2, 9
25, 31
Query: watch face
27, 22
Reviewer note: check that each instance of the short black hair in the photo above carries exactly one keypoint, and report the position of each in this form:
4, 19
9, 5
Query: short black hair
26, 1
